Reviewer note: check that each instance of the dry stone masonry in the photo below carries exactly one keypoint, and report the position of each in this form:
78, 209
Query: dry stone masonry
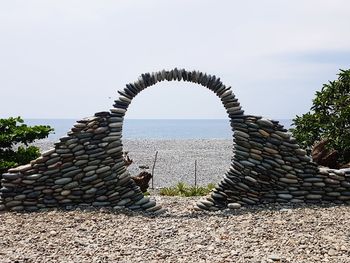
86, 167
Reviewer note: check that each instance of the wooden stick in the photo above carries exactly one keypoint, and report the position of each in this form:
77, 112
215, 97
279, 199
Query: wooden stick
195, 173
154, 164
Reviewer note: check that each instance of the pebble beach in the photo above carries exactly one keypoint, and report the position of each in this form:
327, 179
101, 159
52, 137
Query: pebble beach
272, 233
263, 233
175, 160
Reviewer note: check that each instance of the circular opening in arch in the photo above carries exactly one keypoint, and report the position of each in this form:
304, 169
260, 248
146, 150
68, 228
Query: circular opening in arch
197, 129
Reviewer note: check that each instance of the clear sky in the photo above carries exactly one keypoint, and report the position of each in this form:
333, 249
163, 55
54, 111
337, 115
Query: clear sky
67, 59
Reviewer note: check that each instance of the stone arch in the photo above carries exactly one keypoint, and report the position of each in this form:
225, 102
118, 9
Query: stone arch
86, 166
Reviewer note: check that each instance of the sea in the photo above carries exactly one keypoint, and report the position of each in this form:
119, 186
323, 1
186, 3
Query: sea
156, 128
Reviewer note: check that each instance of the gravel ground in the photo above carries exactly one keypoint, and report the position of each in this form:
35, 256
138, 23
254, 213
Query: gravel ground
271, 233
176, 159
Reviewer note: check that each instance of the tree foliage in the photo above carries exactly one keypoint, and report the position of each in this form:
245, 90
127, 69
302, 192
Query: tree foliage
328, 118
14, 139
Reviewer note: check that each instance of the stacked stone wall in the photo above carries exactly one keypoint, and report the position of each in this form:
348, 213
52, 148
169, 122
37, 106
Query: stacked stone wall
86, 166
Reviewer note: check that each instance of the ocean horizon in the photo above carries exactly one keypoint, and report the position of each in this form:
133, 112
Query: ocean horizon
157, 128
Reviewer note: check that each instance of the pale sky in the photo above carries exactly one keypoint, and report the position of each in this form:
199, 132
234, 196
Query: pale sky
67, 59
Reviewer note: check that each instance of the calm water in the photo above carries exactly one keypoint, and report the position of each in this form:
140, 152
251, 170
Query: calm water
156, 129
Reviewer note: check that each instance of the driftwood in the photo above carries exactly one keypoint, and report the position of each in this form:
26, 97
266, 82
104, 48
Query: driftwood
127, 159
141, 180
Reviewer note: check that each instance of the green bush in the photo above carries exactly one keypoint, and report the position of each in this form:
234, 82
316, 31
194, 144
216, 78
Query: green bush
328, 118
181, 189
13, 131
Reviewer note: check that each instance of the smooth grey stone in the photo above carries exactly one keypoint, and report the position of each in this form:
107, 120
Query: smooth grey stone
116, 119
217, 195
345, 184
71, 173
90, 178
247, 163
331, 181
65, 192
90, 168
128, 194
89, 173
344, 198
319, 184
77, 148
81, 162
313, 197
100, 130
291, 145
19, 197
53, 160
118, 207
114, 194
256, 156
9, 176
286, 167
71, 185
101, 204
33, 176
285, 196
48, 152
28, 182
207, 203
72, 141
79, 125
123, 202
333, 194
265, 122
241, 134
154, 208
284, 135
234, 205
61, 151
13, 203
101, 198
294, 200
81, 157
103, 169
288, 180
300, 152
291, 159
98, 154
241, 153
17, 208
201, 206
63, 181
114, 150
149, 204
116, 125
336, 177
251, 179
114, 144
270, 150
248, 201
142, 201
118, 110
